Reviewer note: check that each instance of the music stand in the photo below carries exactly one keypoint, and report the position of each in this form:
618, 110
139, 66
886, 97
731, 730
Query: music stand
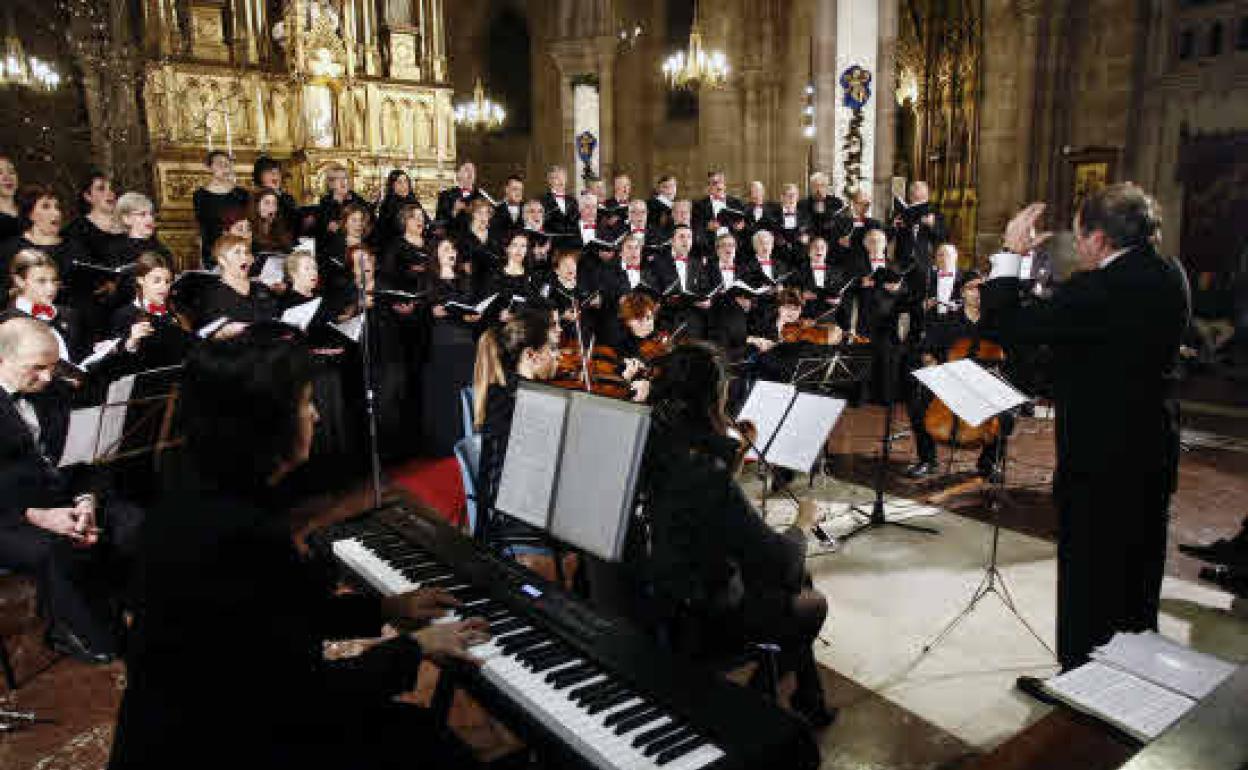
993, 581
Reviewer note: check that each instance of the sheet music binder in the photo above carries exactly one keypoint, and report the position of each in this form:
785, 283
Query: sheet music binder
792, 425
572, 465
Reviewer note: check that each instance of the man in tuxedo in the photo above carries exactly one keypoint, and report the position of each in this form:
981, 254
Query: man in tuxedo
55, 522
1114, 329
793, 227
759, 214
509, 213
820, 206
614, 210
454, 202
918, 228
659, 207
848, 229
707, 211
634, 223
561, 209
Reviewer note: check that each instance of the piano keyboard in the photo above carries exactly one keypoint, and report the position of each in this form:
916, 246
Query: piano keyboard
549, 657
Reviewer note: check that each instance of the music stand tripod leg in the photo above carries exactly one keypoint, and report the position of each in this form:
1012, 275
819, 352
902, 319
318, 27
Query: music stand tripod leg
876, 518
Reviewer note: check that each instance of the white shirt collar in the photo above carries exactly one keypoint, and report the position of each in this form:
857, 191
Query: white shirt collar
1104, 263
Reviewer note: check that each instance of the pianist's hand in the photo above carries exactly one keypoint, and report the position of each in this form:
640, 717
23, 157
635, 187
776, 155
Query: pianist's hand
450, 641
421, 604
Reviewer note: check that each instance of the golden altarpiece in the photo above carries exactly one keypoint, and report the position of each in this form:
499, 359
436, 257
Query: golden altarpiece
307, 82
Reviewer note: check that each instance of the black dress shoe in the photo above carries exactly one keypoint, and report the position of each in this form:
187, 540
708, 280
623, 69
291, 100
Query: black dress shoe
921, 469
1034, 686
66, 642
813, 710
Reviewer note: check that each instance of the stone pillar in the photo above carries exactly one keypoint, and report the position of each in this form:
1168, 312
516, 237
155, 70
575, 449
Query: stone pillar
857, 42
885, 88
242, 33
369, 36
823, 41
433, 33
594, 59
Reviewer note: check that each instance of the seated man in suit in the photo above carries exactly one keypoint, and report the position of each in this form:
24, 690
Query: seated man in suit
53, 524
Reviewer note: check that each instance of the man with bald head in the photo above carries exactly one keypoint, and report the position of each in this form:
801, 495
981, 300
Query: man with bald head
53, 523
848, 229
918, 228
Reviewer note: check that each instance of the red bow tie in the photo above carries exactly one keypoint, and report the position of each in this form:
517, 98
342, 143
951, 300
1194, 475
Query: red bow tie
465, 191
43, 312
558, 196
789, 212
589, 227
155, 309
639, 230
944, 274
719, 198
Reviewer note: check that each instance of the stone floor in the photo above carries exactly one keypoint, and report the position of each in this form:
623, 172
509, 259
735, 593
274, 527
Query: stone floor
891, 591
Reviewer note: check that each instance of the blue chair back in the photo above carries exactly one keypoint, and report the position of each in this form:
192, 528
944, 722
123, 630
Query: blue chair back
465, 406
468, 453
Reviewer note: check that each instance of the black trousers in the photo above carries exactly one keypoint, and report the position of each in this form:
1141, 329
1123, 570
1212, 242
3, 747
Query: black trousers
78, 588
1111, 553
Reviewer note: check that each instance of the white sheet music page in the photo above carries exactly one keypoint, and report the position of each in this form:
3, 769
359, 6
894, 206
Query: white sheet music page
1154, 657
274, 270
301, 315
602, 449
1136, 705
84, 433
113, 421
800, 440
969, 391
352, 328
527, 487
765, 407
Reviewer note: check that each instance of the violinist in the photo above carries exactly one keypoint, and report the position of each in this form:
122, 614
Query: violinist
961, 325
520, 349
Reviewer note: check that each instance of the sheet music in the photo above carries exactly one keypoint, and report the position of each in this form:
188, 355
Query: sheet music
212, 328
969, 391
301, 315
634, 277
820, 275
602, 449
308, 245
800, 440
527, 486
1136, 705
352, 328
100, 352
477, 308
682, 272
274, 270
1154, 657
113, 415
765, 407
84, 431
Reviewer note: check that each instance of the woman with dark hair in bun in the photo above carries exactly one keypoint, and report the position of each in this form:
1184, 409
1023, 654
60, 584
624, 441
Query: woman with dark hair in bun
39, 211
217, 565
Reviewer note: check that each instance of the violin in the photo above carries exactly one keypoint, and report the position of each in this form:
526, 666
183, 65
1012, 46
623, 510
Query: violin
814, 333
946, 427
602, 367
655, 346
746, 434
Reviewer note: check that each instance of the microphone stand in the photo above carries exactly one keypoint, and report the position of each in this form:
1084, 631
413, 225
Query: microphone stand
370, 390
876, 518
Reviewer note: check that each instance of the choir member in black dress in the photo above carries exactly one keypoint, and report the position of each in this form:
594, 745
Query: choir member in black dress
659, 208
449, 359
407, 259
96, 226
234, 297
960, 324
329, 211
561, 209
152, 332
847, 230
713, 576
137, 216
820, 206
512, 281
217, 560
336, 271
266, 174
522, 349
482, 254
10, 222
40, 210
398, 194
270, 228
452, 215
918, 227
211, 201
36, 282
509, 213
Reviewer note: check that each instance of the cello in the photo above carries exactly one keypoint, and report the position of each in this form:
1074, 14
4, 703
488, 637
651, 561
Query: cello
946, 427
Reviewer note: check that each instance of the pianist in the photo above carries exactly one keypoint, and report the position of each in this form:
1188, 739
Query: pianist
225, 663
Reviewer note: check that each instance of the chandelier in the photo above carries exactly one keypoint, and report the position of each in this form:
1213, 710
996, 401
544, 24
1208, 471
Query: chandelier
697, 68
22, 71
480, 114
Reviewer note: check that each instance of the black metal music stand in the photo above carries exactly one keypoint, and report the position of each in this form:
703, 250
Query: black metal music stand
993, 581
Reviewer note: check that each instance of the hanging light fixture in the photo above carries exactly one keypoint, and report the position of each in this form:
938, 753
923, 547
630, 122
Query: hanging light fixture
17, 70
697, 68
479, 114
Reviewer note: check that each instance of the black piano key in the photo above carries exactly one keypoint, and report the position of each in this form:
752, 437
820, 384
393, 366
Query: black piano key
503, 626
553, 661
569, 676
656, 733
626, 713
522, 641
679, 750
668, 741
602, 704
448, 579
594, 690
649, 716
537, 652
608, 692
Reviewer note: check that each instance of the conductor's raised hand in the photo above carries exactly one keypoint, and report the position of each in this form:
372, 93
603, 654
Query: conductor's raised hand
1020, 233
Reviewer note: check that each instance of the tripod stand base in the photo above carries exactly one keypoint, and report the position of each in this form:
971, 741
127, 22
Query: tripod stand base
993, 582
877, 520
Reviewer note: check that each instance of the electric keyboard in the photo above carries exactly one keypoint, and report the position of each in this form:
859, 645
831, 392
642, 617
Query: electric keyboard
570, 680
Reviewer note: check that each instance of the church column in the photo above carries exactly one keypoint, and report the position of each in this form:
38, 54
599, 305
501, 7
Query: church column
244, 34
885, 88
823, 55
369, 35
160, 27
433, 33
587, 87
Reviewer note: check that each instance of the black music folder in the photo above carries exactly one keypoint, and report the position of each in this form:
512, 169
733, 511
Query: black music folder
572, 464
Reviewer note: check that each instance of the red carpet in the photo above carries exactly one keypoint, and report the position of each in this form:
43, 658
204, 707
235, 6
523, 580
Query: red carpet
436, 482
